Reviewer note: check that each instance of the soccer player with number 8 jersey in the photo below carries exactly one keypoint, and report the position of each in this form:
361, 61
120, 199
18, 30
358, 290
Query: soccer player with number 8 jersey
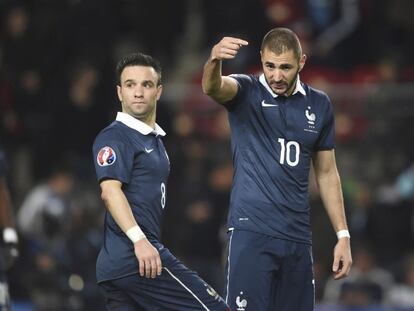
134, 270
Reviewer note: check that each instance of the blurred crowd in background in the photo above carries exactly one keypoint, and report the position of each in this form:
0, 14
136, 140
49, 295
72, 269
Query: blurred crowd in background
57, 91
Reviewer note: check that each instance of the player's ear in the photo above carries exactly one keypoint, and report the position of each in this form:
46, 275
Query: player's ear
302, 62
159, 91
119, 92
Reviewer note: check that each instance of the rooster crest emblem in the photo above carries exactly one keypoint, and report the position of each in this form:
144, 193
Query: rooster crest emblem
241, 303
310, 116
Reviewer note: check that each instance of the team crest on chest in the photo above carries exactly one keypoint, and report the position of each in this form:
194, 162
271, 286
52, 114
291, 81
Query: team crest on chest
310, 116
311, 120
106, 156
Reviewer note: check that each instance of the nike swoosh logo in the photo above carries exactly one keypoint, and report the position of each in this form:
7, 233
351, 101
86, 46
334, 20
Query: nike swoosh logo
264, 104
148, 150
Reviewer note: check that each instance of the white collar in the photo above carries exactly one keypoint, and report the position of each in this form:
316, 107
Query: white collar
138, 125
299, 88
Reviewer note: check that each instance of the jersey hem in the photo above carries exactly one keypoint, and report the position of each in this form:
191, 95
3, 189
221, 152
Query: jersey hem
272, 236
116, 278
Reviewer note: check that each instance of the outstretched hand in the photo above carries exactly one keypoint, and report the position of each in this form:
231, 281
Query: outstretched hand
342, 259
227, 48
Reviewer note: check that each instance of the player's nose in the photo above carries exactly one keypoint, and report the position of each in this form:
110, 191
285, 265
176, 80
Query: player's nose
277, 75
138, 92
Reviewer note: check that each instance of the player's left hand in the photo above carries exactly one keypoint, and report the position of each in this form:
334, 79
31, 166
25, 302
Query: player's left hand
342, 258
149, 259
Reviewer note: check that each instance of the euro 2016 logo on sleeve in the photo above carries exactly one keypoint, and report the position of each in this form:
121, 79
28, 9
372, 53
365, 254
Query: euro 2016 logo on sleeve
106, 156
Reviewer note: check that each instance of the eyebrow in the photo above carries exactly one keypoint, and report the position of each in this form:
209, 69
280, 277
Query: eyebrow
280, 65
286, 65
145, 81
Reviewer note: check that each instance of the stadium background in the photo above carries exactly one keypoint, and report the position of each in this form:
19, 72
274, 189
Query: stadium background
57, 91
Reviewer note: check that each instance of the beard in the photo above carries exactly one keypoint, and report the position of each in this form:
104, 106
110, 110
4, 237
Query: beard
289, 86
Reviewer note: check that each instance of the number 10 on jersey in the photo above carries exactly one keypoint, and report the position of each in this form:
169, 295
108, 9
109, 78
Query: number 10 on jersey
286, 151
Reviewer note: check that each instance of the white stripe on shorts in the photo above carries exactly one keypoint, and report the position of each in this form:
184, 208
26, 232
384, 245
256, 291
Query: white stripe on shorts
228, 266
189, 290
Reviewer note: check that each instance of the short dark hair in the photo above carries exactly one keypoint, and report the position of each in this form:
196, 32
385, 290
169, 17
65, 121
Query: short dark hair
138, 59
280, 40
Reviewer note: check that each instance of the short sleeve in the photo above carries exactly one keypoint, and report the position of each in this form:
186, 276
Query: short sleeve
326, 139
244, 83
113, 158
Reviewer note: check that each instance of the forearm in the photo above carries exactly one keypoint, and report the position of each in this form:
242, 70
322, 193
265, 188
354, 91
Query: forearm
212, 79
118, 206
332, 198
329, 184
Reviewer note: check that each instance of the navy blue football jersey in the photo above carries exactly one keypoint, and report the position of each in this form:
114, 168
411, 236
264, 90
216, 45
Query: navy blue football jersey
273, 140
130, 151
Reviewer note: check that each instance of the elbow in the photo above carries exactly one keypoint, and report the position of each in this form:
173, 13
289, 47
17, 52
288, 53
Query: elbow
208, 92
106, 194
213, 92
211, 86
110, 191
207, 88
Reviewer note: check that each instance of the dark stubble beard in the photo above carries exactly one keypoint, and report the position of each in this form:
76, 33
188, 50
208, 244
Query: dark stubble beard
290, 88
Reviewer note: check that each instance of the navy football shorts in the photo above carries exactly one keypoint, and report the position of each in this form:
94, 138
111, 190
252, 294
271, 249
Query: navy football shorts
177, 288
268, 274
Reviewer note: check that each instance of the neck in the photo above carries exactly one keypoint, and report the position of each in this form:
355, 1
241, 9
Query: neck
148, 120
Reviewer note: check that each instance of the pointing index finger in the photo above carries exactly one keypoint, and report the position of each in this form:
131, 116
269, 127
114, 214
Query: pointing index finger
241, 42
